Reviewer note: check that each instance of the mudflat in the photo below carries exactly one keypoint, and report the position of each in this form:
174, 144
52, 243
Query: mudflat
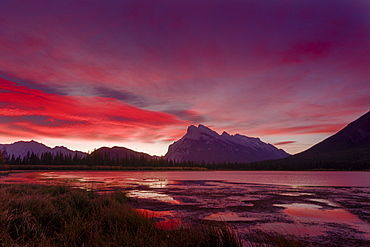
316, 215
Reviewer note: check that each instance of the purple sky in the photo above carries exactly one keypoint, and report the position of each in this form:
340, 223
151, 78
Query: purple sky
86, 74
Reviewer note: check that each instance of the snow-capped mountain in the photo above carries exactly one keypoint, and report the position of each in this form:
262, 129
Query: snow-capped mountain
201, 144
21, 148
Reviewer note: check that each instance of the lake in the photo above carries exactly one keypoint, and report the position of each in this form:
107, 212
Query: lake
321, 208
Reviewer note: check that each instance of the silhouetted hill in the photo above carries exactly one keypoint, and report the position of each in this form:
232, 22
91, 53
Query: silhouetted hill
120, 152
349, 149
350, 144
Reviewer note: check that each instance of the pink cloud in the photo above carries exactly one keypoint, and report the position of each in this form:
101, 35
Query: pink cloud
76, 116
109, 68
284, 143
309, 129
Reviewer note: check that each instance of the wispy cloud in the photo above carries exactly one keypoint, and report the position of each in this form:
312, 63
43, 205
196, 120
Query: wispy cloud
37, 113
252, 67
284, 143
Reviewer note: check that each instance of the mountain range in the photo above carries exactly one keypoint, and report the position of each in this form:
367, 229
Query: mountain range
199, 144
22, 148
351, 145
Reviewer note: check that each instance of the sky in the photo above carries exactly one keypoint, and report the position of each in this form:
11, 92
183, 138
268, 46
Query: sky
92, 73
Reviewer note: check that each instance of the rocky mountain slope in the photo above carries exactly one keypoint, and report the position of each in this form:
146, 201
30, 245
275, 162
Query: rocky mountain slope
201, 144
352, 143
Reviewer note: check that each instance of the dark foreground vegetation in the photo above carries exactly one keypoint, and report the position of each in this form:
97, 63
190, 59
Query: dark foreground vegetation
37, 215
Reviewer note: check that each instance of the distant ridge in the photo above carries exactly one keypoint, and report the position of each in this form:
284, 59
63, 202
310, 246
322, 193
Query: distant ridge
21, 148
201, 144
349, 149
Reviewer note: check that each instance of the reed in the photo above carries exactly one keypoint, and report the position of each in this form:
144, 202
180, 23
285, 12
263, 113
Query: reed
259, 238
39, 215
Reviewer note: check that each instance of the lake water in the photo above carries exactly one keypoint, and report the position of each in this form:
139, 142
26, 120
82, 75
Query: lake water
290, 178
322, 208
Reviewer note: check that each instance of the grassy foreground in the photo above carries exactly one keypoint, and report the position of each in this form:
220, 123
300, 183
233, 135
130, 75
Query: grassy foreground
37, 215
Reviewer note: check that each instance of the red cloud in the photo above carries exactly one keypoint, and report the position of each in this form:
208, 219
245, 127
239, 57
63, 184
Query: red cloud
32, 112
284, 143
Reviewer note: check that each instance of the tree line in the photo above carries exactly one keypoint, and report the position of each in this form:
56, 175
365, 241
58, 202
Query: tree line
91, 159
96, 159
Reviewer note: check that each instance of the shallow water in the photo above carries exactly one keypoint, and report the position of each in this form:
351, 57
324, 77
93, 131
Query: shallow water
292, 178
162, 178
311, 213
322, 208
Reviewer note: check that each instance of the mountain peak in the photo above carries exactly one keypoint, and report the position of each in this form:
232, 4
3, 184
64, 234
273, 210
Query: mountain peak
29, 143
192, 128
200, 127
225, 134
202, 144
194, 132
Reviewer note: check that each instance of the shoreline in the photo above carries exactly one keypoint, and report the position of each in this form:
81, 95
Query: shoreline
11, 168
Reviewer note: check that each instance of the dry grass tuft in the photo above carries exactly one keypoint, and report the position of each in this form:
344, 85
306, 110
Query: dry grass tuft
37, 215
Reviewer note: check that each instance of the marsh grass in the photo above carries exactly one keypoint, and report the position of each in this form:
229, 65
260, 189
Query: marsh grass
39, 215
262, 239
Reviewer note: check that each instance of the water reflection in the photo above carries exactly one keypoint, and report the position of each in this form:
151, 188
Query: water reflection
154, 214
120, 179
145, 194
169, 224
327, 202
309, 213
229, 216
296, 229
165, 220
295, 194
263, 200
291, 178
154, 183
